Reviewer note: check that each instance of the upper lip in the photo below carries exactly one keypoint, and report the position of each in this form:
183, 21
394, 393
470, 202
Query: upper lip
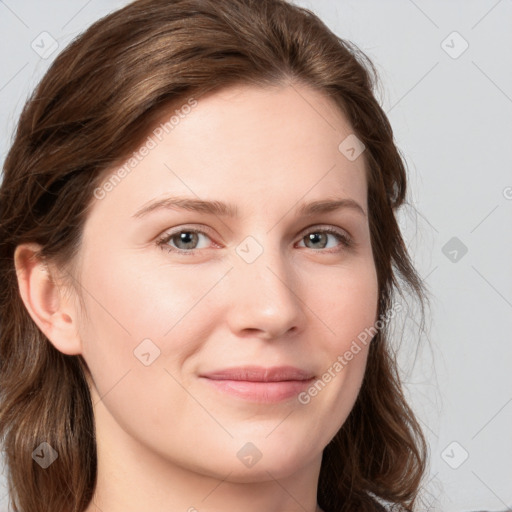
260, 374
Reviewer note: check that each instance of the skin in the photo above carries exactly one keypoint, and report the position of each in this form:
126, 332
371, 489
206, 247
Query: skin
166, 439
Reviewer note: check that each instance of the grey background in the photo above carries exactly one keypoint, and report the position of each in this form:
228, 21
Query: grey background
452, 116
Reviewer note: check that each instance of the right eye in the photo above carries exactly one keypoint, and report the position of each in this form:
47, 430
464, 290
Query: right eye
186, 237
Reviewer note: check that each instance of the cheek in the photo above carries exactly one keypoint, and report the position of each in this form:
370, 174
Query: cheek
351, 303
133, 299
141, 324
349, 309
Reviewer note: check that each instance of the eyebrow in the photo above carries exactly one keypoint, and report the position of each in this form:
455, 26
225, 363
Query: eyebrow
222, 209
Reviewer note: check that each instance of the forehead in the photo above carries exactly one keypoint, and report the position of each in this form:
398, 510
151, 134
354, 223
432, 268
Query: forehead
275, 143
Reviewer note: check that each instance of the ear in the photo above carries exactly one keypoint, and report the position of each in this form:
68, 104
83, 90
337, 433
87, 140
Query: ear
51, 309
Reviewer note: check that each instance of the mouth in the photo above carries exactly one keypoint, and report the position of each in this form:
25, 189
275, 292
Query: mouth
259, 384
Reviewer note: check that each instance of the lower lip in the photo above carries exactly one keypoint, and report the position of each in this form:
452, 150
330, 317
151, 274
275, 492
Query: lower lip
264, 392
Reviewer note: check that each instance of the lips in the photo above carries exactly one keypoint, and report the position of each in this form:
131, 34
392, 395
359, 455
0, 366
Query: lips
259, 384
260, 374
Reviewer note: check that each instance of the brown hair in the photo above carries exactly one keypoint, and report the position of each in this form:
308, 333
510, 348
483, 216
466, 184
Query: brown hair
95, 104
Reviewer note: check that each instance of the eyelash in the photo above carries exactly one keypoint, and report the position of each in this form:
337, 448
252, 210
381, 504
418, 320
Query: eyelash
162, 242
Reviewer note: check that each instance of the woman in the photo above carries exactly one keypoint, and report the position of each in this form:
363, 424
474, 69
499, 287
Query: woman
171, 338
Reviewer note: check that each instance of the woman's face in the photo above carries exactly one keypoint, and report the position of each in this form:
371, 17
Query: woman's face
268, 287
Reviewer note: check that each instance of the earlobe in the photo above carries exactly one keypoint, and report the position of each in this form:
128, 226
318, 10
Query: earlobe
45, 301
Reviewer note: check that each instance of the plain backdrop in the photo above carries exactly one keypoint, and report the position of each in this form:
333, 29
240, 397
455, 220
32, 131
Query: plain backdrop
446, 84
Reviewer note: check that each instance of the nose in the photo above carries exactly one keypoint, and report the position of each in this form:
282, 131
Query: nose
265, 297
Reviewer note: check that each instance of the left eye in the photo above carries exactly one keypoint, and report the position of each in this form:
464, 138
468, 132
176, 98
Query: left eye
185, 240
321, 235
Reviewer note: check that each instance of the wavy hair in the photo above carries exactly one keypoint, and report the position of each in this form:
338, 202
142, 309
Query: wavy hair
93, 107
